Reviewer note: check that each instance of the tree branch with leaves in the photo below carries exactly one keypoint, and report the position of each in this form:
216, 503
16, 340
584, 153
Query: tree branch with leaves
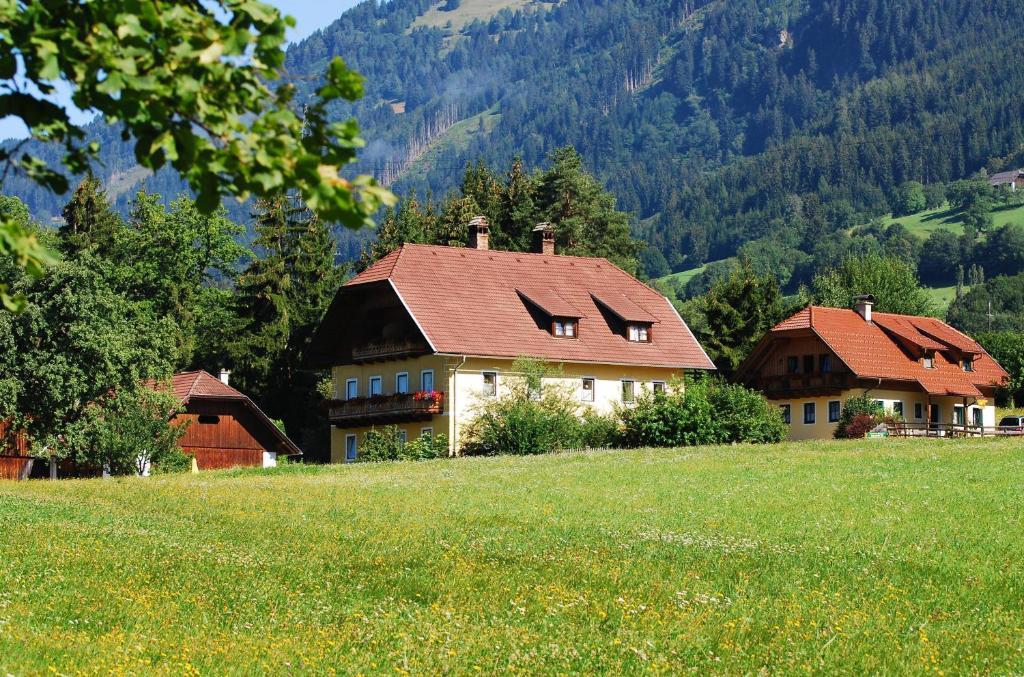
191, 82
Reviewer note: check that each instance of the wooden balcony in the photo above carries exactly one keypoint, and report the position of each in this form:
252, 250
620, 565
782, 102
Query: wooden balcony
385, 409
807, 385
378, 352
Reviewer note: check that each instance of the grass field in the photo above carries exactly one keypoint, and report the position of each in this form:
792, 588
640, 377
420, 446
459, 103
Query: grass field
843, 558
924, 223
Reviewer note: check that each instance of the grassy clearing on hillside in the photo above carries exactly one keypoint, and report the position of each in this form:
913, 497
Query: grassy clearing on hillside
890, 556
924, 223
684, 276
943, 296
468, 12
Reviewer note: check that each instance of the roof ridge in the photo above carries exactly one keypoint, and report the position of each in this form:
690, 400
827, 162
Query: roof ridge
510, 252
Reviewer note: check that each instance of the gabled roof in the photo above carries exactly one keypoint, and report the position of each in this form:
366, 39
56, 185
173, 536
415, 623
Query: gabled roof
473, 302
188, 386
1006, 177
889, 346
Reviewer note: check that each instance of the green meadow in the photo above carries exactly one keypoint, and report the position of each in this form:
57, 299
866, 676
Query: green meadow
945, 218
881, 556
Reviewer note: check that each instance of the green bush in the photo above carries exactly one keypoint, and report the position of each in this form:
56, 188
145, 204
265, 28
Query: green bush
706, 412
385, 444
531, 418
597, 431
173, 461
129, 431
860, 415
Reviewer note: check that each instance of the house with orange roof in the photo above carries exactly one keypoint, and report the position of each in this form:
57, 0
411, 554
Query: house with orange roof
426, 333
920, 369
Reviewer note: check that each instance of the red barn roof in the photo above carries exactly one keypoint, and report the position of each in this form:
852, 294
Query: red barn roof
890, 347
478, 302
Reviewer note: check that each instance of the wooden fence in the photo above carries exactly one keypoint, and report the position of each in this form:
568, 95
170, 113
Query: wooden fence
951, 430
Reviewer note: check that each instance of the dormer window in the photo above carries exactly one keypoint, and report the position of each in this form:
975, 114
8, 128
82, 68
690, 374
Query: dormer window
968, 363
639, 333
564, 328
928, 362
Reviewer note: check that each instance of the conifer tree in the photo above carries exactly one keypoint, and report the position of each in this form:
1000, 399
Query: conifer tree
89, 220
262, 298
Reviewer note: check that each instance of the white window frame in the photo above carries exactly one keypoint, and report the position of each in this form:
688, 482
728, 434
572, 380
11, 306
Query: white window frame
355, 448
928, 361
398, 389
655, 384
369, 385
593, 389
483, 378
350, 382
632, 391
423, 375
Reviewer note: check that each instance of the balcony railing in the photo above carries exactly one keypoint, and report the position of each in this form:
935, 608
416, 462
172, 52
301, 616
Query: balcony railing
384, 409
374, 352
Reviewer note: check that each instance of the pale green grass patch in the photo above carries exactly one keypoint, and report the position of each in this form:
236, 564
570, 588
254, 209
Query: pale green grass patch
890, 556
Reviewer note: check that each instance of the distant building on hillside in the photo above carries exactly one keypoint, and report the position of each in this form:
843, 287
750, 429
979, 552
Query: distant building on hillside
427, 332
225, 427
919, 368
1013, 179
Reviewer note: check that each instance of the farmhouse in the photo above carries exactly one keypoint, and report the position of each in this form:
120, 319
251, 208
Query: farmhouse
426, 333
919, 368
1013, 179
225, 428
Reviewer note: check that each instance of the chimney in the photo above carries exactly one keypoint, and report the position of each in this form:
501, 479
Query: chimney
479, 233
544, 239
862, 305
225, 376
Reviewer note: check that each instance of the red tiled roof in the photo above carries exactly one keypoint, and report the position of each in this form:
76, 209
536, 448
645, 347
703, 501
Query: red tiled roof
872, 349
468, 302
550, 302
188, 384
624, 309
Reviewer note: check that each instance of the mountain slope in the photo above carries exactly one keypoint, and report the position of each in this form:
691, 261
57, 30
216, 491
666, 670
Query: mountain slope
713, 121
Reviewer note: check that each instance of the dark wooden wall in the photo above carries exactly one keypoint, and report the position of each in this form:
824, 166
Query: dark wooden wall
238, 438
14, 467
12, 443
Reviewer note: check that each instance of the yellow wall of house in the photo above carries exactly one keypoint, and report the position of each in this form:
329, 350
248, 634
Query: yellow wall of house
822, 428
388, 372
469, 384
463, 385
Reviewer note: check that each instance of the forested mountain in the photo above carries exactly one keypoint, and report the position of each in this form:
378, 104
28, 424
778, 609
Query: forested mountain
715, 122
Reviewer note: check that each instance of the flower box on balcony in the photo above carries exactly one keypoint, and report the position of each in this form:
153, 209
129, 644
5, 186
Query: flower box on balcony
381, 409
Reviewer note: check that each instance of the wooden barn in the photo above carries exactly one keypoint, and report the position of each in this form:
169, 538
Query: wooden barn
226, 428
15, 463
